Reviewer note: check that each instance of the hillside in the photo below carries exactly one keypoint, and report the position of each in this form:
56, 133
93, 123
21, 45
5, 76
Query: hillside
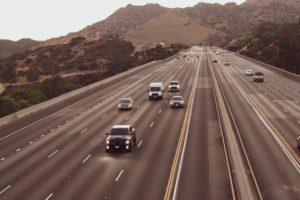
109, 55
152, 24
8, 47
278, 45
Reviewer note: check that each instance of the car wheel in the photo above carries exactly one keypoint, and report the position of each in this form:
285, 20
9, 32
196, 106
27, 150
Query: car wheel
107, 150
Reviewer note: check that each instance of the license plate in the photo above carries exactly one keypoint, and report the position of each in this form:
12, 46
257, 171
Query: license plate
117, 147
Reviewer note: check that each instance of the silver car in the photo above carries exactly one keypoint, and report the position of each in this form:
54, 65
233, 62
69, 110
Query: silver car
177, 102
249, 72
126, 104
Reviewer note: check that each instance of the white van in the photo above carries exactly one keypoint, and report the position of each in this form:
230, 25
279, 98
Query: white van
156, 91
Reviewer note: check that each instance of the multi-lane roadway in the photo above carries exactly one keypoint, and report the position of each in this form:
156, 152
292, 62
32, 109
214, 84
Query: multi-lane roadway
58, 153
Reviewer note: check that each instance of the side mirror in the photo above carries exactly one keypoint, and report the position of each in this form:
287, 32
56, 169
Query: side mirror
106, 133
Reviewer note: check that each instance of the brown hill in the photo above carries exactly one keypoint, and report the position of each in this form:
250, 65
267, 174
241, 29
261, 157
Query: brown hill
295, 3
8, 47
152, 24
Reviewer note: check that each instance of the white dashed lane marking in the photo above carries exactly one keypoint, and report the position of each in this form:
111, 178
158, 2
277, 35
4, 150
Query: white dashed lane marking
86, 158
82, 132
151, 125
52, 154
120, 174
49, 196
140, 143
2, 191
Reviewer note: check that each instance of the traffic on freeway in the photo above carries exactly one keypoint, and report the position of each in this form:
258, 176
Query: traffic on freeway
203, 124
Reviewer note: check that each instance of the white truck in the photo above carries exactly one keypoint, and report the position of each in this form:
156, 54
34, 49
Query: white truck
156, 91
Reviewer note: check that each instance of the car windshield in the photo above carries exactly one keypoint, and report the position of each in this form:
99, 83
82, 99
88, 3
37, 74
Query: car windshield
119, 131
259, 74
176, 98
125, 101
154, 89
173, 83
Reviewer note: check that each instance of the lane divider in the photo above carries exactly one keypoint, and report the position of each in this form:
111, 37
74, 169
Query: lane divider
179, 149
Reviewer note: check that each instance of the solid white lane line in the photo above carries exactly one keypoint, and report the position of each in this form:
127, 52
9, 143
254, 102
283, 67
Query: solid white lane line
18, 150
140, 143
159, 111
52, 153
151, 125
120, 174
5, 189
49, 196
82, 132
3, 158
86, 158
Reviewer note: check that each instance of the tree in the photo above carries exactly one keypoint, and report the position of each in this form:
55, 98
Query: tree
7, 106
32, 74
9, 72
54, 87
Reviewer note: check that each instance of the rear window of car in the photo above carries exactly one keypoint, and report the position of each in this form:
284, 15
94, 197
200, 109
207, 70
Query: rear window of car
177, 98
125, 101
174, 83
119, 131
259, 74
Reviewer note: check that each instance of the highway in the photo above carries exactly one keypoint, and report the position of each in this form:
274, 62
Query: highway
58, 153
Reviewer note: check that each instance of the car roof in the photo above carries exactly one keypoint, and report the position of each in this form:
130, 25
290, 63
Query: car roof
126, 98
174, 81
177, 97
156, 84
121, 126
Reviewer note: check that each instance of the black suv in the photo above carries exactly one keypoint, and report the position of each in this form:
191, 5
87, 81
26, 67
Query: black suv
120, 137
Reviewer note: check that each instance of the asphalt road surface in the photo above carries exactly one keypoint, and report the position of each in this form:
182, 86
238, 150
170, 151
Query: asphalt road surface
59, 153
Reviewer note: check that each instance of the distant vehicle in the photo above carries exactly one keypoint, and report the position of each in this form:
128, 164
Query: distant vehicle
249, 72
174, 86
156, 91
298, 141
258, 77
214, 61
120, 137
126, 104
177, 102
226, 63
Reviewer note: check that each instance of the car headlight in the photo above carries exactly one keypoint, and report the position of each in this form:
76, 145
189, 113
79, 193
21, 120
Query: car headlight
127, 142
107, 141
119, 105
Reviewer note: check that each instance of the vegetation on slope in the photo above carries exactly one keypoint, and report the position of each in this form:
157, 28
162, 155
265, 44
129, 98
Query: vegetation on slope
275, 44
50, 71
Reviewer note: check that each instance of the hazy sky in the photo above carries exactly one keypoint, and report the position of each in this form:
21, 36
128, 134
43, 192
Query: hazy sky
44, 19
